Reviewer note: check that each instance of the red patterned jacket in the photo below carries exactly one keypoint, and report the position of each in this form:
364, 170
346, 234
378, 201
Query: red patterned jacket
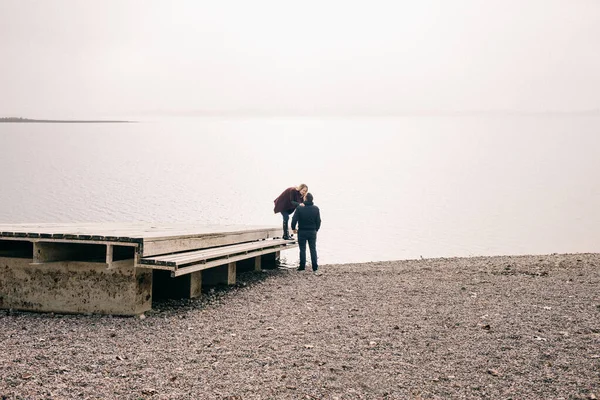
288, 200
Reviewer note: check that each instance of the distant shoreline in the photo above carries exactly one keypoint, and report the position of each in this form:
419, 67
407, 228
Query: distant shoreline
364, 113
63, 121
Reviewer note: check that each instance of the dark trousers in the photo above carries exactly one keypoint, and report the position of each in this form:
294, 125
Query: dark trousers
311, 238
286, 217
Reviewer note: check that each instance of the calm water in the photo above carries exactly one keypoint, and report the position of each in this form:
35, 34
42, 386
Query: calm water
388, 188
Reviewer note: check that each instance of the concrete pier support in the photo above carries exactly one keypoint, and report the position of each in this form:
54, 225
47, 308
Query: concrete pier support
74, 286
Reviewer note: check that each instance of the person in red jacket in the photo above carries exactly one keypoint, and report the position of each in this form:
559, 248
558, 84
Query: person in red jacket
286, 204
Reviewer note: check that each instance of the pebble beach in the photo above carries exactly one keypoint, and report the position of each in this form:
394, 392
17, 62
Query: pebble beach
506, 327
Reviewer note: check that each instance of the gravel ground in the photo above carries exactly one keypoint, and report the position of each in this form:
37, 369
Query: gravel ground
524, 327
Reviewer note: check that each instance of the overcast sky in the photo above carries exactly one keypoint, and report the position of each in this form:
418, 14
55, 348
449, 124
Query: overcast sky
95, 57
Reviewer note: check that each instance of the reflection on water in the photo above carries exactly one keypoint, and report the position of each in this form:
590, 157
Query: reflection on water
389, 188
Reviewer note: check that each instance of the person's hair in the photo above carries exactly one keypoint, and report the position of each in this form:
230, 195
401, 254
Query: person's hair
301, 186
308, 197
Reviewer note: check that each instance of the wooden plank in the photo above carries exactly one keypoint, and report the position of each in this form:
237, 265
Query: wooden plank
50, 240
215, 263
205, 230
179, 259
63, 229
184, 258
153, 248
150, 239
134, 230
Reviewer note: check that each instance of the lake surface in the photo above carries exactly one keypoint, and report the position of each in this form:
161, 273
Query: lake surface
388, 188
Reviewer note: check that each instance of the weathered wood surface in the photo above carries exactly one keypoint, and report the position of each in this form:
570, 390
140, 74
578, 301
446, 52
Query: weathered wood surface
194, 242
153, 239
97, 267
124, 231
194, 257
221, 261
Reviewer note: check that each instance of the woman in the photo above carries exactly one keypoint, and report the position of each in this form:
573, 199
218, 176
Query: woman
286, 204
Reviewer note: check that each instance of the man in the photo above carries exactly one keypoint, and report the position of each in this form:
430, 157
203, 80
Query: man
308, 219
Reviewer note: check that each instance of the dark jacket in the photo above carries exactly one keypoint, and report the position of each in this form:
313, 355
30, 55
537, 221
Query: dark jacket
288, 200
308, 217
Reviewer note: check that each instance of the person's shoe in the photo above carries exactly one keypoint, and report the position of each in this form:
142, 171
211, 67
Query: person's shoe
287, 237
300, 269
317, 273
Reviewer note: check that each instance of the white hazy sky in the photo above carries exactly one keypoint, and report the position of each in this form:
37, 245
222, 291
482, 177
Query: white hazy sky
102, 57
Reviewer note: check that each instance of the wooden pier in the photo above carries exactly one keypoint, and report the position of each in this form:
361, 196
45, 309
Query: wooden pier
118, 269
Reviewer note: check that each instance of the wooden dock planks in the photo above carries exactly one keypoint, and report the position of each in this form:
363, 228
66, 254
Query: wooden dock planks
192, 261
152, 239
108, 267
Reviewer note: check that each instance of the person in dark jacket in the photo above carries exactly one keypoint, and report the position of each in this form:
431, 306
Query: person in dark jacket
286, 204
308, 219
